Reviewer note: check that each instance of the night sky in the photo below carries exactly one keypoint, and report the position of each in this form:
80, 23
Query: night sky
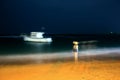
60, 16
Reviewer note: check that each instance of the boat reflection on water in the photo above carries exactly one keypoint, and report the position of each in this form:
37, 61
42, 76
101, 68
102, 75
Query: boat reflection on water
38, 47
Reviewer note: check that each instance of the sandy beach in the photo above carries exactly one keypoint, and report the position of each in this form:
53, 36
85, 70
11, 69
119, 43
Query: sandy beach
87, 68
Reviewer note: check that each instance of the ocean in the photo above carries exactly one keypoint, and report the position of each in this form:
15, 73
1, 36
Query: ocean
12, 45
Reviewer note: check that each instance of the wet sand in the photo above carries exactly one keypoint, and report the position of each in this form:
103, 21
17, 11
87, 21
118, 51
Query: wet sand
101, 67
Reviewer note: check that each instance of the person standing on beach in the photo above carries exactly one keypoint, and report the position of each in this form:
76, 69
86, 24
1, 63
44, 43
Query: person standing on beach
75, 50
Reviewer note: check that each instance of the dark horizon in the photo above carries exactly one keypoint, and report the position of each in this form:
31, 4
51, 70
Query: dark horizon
64, 34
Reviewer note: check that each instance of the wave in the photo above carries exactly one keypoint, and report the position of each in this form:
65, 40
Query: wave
38, 58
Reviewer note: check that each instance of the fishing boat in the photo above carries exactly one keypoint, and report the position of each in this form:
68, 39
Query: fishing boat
37, 37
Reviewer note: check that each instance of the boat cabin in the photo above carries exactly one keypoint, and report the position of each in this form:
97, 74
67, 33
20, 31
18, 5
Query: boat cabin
36, 34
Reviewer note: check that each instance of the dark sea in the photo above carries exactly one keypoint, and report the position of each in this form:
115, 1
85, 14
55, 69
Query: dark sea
14, 46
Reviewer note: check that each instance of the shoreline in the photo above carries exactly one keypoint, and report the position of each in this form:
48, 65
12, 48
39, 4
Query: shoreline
21, 60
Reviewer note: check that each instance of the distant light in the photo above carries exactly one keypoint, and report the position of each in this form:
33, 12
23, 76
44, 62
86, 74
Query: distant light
43, 28
111, 32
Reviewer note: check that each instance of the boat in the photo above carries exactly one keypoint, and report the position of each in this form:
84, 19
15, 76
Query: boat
36, 37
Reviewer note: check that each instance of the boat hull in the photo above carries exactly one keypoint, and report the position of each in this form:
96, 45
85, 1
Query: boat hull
26, 38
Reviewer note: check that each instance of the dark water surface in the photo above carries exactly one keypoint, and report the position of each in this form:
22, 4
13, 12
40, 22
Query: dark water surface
16, 46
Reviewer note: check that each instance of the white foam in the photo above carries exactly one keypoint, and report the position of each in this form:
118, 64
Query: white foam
63, 54
100, 51
38, 56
